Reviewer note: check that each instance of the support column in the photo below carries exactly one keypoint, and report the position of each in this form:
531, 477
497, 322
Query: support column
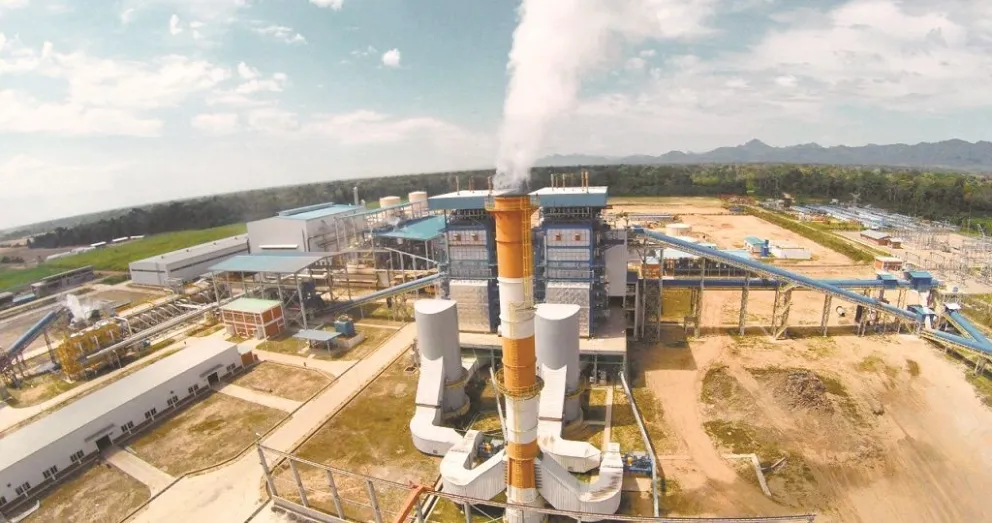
334, 494
742, 322
826, 313
780, 314
699, 298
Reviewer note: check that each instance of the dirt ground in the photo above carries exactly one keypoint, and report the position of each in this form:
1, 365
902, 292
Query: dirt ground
39, 389
371, 436
205, 433
283, 381
711, 222
101, 493
287, 344
133, 296
863, 423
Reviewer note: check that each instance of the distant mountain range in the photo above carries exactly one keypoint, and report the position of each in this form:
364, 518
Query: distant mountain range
948, 154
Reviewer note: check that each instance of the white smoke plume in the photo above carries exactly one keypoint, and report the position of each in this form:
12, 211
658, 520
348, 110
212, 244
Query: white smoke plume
554, 45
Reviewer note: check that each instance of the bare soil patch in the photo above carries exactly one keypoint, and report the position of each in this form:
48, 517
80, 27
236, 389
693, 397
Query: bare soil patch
101, 493
205, 433
283, 381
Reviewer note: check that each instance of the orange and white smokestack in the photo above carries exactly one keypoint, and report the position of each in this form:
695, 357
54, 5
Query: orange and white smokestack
519, 382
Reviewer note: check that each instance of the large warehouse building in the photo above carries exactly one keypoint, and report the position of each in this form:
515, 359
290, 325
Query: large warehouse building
186, 264
48, 449
316, 228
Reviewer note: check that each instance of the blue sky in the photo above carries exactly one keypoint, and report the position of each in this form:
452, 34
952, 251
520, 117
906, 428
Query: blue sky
134, 101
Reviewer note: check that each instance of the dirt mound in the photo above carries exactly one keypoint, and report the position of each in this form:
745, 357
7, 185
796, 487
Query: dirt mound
805, 390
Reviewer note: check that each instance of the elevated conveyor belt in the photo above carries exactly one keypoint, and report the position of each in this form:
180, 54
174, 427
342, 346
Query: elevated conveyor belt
962, 324
11, 353
957, 341
775, 273
765, 283
417, 284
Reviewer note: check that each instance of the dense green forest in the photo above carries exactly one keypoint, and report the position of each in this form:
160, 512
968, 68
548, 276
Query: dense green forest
948, 196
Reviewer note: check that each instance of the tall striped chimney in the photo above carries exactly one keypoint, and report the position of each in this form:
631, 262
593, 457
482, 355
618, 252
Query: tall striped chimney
518, 381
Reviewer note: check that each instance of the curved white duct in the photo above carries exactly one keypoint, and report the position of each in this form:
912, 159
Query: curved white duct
564, 492
437, 339
556, 337
482, 482
441, 386
556, 334
574, 456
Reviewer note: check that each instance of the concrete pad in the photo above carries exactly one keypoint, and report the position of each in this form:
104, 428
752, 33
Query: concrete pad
335, 368
138, 468
254, 396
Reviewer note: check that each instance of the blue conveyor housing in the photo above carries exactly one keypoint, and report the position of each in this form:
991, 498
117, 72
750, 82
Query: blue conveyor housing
32, 334
962, 324
765, 283
957, 341
775, 273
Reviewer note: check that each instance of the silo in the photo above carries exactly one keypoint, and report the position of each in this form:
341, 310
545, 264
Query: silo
355, 191
419, 200
389, 201
437, 337
556, 334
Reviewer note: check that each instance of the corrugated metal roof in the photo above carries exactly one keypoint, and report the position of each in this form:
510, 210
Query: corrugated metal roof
322, 212
250, 305
421, 229
198, 250
51, 428
462, 200
571, 196
282, 263
875, 235
753, 240
316, 335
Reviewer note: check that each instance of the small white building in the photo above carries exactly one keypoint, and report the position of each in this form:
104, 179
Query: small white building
317, 228
789, 251
185, 264
52, 447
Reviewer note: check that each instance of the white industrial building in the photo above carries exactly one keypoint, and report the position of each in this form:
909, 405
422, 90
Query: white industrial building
317, 228
48, 449
789, 251
185, 264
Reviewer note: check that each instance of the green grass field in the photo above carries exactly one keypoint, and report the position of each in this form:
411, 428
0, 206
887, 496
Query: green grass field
116, 258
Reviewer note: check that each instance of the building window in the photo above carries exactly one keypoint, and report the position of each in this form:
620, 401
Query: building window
578, 237
190, 390
23, 488
173, 400
78, 455
3, 501
475, 237
150, 413
123, 428
230, 368
50, 472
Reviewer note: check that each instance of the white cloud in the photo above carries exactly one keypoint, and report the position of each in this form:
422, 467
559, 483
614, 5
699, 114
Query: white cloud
247, 72
647, 53
391, 58
216, 124
635, 64
272, 121
21, 113
175, 26
164, 82
46, 50
332, 4
361, 53
786, 80
127, 16
281, 33
13, 4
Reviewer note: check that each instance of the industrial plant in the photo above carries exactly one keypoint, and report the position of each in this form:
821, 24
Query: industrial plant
535, 296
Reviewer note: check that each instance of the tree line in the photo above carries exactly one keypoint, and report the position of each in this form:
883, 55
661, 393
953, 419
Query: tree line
953, 197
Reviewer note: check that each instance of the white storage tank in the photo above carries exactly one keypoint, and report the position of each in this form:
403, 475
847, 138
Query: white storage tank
419, 200
556, 339
389, 201
678, 229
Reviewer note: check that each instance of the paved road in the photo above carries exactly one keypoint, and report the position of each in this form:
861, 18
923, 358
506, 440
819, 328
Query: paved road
232, 492
261, 398
138, 468
608, 422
